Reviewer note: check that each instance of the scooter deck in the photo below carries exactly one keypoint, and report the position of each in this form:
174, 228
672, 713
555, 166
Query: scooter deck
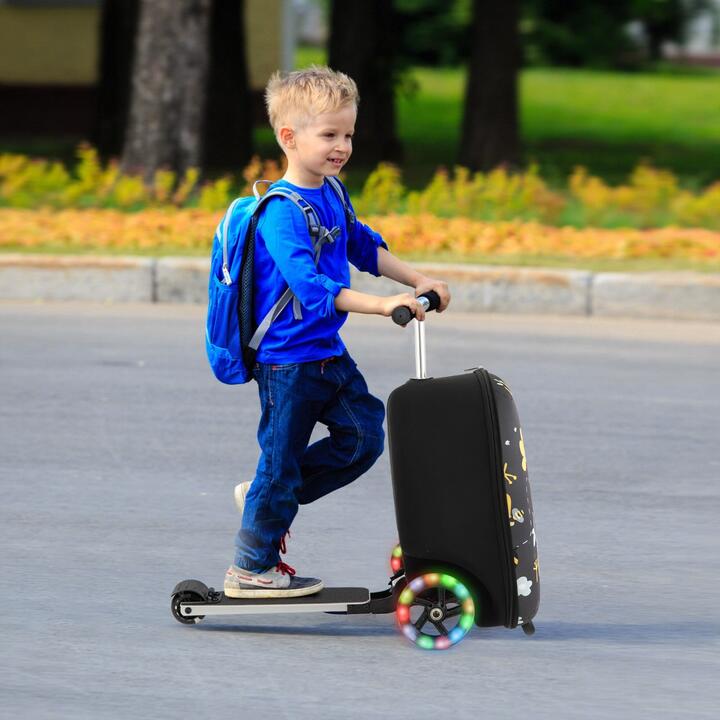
337, 599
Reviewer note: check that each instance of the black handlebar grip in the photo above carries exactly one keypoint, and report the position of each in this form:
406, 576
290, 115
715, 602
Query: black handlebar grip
402, 314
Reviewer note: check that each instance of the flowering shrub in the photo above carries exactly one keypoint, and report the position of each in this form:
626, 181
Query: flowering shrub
190, 231
651, 197
154, 230
497, 195
29, 183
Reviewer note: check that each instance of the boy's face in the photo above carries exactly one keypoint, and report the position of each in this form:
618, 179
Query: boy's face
320, 148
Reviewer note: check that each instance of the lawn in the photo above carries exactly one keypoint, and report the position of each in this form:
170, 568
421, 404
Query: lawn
603, 120
607, 121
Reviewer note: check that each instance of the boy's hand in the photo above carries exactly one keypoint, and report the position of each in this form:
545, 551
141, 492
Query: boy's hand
425, 284
388, 304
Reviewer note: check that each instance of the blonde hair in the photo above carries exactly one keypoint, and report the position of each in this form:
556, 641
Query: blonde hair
301, 95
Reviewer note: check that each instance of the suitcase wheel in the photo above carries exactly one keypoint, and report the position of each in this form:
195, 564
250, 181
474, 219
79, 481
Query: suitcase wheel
435, 611
528, 628
396, 559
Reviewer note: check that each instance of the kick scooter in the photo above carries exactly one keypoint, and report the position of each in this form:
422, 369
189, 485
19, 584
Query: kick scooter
435, 605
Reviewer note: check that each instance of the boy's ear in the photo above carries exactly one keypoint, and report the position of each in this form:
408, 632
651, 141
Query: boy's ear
287, 137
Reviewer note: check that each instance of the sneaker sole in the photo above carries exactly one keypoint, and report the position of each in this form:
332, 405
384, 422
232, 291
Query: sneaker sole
256, 592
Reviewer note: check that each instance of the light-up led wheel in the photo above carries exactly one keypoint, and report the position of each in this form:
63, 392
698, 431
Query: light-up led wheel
435, 611
396, 559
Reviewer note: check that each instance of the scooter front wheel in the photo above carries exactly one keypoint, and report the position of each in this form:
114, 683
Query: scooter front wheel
435, 611
396, 559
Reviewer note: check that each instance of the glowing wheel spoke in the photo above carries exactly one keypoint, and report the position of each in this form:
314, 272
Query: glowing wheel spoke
423, 601
440, 627
420, 623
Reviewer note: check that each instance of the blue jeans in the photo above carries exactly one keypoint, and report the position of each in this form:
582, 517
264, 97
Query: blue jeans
293, 398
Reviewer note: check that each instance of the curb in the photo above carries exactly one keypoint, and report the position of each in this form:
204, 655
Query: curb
475, 288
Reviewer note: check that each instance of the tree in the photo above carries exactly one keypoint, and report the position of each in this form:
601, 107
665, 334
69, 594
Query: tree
168, 87
582, 34
228, 118
118, 29
490, 135
432, 32
362, 45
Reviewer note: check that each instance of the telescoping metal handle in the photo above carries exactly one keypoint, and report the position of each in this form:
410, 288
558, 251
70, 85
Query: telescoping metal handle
402, 316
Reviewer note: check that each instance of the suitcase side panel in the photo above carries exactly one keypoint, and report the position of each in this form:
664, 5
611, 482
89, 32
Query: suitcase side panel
519, 509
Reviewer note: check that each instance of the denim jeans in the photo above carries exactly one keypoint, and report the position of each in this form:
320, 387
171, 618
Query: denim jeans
293, 399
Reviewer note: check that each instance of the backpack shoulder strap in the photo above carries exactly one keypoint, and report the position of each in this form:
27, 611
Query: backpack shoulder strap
341, 192
223, 232
311, 218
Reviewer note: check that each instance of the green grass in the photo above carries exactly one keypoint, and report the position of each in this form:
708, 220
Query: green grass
605, 121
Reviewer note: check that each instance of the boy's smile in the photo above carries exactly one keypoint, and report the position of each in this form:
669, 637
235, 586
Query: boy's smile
320, 148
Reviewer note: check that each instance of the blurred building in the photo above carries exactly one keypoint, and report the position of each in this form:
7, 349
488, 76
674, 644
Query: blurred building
50, 59
702, 39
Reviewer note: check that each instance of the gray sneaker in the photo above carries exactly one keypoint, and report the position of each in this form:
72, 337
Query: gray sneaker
277, 582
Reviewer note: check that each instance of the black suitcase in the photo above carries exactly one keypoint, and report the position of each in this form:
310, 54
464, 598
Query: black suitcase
462, 502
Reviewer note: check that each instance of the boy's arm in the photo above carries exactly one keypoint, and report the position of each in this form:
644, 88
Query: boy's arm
395, 269
391, 267
368, 252
353, 301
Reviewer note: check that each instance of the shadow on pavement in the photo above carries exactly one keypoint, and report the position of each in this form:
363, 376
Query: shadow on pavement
307, 630
679, 631
691, 631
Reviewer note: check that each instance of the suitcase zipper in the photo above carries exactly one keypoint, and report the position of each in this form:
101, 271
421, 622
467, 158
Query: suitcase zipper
505, 538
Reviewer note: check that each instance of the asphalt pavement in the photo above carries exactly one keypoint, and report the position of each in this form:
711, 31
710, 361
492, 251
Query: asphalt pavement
118, 456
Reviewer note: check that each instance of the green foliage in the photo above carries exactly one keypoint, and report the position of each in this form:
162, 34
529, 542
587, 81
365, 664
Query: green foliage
383, 191
650, 198
433, 32
216, 195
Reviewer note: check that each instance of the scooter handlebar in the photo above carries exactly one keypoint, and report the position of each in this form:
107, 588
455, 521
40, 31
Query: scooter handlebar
402, 314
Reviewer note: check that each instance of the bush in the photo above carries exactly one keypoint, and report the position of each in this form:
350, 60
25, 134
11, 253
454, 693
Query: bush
651, 197
190, 231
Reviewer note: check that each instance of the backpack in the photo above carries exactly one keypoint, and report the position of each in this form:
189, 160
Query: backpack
231, 337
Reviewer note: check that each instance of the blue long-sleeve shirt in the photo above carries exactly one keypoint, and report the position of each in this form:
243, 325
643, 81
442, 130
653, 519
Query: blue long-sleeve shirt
284, 257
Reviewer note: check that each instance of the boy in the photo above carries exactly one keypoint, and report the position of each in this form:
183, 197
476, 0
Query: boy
304, 373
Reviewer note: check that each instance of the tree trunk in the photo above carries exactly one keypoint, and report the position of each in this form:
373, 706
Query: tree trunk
168, 91
118, 30
362, 46
490, 124
228, 119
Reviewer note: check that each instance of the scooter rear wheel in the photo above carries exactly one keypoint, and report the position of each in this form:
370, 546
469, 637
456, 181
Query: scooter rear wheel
185, 597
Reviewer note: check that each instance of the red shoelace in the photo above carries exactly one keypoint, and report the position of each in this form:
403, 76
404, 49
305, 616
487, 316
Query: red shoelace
283, 547
285, 569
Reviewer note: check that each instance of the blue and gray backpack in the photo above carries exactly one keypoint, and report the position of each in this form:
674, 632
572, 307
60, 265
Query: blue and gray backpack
231, 336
